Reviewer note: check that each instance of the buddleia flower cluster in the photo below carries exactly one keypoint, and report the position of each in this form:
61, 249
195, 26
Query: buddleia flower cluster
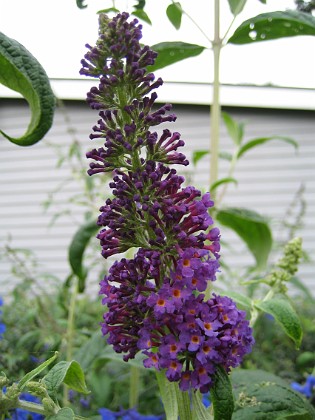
155, 301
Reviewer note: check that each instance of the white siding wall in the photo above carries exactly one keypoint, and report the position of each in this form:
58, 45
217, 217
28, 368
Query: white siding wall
269, 177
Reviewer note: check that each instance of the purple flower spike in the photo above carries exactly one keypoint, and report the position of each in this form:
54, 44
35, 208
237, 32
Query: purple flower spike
154, 300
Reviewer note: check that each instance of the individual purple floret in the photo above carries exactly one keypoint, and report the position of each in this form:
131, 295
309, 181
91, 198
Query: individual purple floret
155, 300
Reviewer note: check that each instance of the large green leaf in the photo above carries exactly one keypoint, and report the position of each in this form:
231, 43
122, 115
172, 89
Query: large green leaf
172, 52
274, 25
168, 395
63, 414
283, 312
262, 140
69, 373
77, 249
200, 412
252, 228
263, 396
20, 71
222, 397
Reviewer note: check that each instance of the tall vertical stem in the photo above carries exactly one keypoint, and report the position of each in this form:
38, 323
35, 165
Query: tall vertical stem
215, 107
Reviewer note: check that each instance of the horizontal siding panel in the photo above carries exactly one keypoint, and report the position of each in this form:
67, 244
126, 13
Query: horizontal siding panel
269, 177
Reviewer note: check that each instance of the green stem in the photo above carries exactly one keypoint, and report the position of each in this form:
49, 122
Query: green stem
70, 334
32, 407
215, 107
184, 405
134, 387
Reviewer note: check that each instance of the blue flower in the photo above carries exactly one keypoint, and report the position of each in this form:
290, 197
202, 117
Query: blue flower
307, 389
2, 325
206, 400
130, 414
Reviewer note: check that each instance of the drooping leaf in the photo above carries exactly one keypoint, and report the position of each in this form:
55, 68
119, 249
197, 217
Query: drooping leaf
274, 25
252, 228
235, 130
91, 350
69, 373
283, 312
168, 395
64, 413
80, 4
20, 71
221, 181
222, 398
236, 6
262, 140
142, 15
172, 52
31, 375
262, 395
174, 13
199, 410
77, 248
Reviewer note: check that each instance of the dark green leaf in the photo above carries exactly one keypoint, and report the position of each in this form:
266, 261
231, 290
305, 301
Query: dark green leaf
222, 399
242, 300
141, 14
172, 52
285, 315
80, 4
77, 248
69, 373
20, 71
31, 375
262, 395
199, 410
274, 25
174, 13
168, 395
236, 6
252, 228
63, 414
221, 181
235, 130
257, 142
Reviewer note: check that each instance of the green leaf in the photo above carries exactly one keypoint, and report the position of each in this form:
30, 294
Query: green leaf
91, 350
168, 395
20, 71
184, 404
274, 25
235, 130
242, 300
221, 181
236, 6
222, 396
69, 373
108, 10
77, 248
63, 414
252, 228
172, 52
199, 410
285, 315
80, 4
262, 395
110, 354
197, 155
141, 14
262, 140
174, 13
31, 375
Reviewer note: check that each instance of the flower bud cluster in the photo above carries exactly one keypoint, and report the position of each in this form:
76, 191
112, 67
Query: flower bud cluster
155, 300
